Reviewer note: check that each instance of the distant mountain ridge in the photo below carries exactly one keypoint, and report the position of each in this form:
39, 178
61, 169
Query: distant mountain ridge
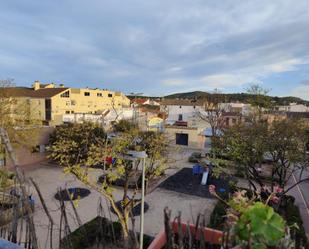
235, 97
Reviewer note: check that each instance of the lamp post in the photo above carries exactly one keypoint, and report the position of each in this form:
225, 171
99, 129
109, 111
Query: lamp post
141, 155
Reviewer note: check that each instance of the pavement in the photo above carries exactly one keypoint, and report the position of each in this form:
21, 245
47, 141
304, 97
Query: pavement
301, 194
50, 177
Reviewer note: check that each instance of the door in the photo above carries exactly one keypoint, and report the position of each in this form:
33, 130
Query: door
182, 139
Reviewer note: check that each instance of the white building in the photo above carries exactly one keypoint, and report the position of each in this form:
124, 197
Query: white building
293, 107
236, 107
182, 110
106, 118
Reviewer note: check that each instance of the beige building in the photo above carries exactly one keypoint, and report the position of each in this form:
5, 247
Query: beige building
47, 103
191, 137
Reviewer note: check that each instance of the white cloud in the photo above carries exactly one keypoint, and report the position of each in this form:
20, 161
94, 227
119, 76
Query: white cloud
154, 46
227, 80
301, 91
173, 82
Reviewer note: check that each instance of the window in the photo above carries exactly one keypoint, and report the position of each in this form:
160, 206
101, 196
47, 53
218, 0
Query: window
65, 94
110, 95
180, 117
99, 95
180, 106
234, 120
72, 111
68, 103
86, 93
67, 112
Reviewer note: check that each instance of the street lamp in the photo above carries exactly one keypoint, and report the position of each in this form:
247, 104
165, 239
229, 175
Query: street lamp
141, 155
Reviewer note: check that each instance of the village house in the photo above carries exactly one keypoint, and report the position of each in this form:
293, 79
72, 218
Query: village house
183, 125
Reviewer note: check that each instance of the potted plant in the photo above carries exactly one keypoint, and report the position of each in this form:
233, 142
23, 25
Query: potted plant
178, 234
253, 223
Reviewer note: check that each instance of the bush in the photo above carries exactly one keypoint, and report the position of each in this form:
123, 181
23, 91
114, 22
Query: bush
292, 216
290, 213
124, 126
99, 229
217, 217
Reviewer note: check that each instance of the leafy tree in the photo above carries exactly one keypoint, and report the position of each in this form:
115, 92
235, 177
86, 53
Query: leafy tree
245, 145
124, 126
213, 112
285, 145
259, 101
284, 140
70, 143
85, 145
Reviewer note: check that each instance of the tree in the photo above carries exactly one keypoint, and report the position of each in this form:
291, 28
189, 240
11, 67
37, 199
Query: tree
79, 149
248, 144
245, 145
124, 126
285, 144
16, 118
70, 143
258, 100
213, 115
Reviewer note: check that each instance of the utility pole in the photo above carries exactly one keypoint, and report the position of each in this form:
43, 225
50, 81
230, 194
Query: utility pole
141, 235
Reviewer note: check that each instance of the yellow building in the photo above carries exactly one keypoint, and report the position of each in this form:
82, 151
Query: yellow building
48, 103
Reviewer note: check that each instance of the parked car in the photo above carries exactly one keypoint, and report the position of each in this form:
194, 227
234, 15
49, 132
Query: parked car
195, 157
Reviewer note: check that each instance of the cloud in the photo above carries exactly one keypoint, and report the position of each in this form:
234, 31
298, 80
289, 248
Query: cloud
226, 80
301, 91
154, 46
304, 82
173, 82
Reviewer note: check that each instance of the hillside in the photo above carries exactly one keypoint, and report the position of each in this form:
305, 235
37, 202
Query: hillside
233, 97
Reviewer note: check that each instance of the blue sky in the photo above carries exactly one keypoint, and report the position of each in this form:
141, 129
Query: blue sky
158, 46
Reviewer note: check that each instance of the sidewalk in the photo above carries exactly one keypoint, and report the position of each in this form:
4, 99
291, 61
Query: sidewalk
302, 205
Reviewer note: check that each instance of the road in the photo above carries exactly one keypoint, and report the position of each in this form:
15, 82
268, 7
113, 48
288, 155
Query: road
304, 186
301, 194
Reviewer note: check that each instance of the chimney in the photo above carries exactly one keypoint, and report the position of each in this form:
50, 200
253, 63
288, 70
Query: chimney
36, 85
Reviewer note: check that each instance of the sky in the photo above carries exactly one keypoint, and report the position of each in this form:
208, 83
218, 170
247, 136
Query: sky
157, 47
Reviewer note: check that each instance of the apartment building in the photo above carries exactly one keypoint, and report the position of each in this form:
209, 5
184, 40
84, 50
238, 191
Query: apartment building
47, 103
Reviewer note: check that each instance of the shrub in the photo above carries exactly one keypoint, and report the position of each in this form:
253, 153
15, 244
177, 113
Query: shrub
99, 230
217, 217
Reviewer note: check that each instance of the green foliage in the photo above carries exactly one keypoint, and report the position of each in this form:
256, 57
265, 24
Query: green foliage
217, 217
6, 178
97, 230
258, 97
124, 126
247, 144
80, 146
292, 216
285, 144
236, 97
260, 225
70, 144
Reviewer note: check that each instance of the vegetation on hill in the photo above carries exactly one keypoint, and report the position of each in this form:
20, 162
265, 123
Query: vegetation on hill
227, 97
233, 97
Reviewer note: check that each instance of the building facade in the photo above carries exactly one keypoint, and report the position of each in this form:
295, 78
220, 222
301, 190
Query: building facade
47, 103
